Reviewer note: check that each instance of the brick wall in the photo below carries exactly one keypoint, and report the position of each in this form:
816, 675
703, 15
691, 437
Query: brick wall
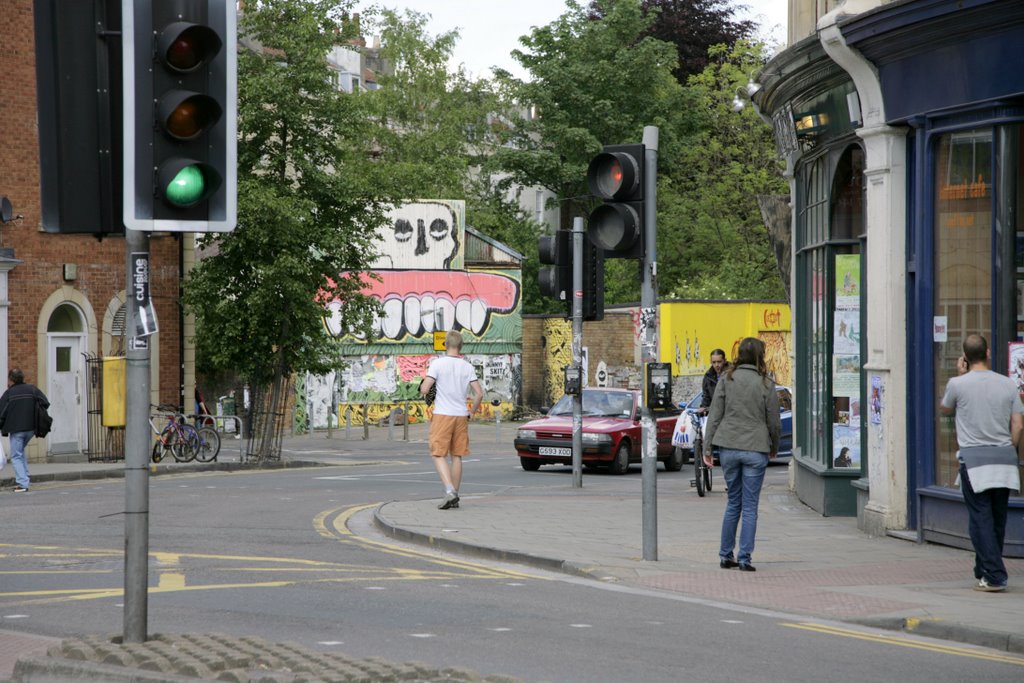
38, 278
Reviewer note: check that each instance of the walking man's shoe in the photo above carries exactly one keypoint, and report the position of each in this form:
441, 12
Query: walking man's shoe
20, 489
986, 587
451, 500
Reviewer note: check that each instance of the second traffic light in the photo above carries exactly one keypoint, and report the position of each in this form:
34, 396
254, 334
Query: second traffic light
555, 277
180, 129
616, 176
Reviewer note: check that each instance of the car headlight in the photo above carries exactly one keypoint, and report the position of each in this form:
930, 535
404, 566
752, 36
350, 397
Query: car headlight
594, 439
526, 434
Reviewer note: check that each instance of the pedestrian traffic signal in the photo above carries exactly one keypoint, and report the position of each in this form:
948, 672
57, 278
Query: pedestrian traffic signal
180, 126
616, 176
555, 278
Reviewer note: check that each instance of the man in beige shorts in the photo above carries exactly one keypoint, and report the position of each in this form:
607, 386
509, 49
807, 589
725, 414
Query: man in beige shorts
449, 426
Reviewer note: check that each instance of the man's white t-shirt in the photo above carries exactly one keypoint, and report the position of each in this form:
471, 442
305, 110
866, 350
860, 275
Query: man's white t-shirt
452, 376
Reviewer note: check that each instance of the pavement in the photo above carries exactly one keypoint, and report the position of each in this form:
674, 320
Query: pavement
808, 566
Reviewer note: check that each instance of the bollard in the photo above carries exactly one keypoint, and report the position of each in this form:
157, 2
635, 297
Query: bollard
366, 422
497, 425
348, 423
405, 422
391, 424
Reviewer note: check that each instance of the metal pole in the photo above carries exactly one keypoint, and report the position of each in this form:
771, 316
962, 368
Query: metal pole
577, 350
405, 422
136, 454
649, 343
497, 425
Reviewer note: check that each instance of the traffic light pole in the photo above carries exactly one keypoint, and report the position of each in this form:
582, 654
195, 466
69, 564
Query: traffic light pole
577, 350
136, 454
649, 344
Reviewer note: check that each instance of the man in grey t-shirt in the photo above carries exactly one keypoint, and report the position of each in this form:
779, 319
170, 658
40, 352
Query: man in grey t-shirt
989, 425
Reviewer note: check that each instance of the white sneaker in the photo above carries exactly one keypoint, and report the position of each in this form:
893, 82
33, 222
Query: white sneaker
451, 500
986, 587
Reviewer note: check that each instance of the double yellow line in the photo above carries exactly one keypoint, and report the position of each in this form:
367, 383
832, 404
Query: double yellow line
900, 641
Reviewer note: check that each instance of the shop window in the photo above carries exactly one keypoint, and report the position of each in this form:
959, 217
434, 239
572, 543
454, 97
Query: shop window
979, 263
829, 387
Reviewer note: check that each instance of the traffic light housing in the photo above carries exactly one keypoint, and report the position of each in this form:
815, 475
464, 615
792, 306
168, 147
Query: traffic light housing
555, 277
78, 76
180, 121
616, 176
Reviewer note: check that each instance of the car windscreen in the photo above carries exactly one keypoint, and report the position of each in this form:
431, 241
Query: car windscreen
598, 404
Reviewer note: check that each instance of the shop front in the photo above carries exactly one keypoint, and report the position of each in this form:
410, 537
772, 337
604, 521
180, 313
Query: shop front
932, 148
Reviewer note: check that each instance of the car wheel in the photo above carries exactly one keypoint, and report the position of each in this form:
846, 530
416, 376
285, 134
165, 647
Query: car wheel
620, 465
529, 464
674, 462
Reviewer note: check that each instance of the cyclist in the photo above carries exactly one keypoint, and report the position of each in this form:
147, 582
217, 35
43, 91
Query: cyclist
717, 369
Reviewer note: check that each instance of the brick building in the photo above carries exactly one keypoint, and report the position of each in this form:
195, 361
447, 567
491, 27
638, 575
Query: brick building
62, 296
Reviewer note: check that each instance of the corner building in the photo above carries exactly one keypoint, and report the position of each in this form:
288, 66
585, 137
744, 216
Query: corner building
901, 127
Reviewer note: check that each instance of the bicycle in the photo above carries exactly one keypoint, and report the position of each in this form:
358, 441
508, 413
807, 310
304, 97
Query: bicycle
207, 441
702, 472
177, 438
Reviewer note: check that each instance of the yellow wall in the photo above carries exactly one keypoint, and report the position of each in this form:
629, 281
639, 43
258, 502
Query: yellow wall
689, 331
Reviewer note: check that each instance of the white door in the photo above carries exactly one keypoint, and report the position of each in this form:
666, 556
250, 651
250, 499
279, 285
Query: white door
65, 393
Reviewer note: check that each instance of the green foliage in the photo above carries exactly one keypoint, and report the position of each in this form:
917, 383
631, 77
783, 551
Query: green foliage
712, 242
305, 209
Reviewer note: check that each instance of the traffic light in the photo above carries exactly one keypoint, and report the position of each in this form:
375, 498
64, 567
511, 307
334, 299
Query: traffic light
616, 176
555, 278
180, 128
78, 75
593, 282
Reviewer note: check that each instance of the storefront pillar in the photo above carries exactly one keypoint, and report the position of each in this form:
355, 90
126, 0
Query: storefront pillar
882, 499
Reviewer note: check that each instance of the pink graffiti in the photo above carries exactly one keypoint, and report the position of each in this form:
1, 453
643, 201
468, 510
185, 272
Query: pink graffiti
412, 368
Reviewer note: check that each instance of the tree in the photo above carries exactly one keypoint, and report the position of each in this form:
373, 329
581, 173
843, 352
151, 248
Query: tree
712, 242
594, 82
306, 208
694, 26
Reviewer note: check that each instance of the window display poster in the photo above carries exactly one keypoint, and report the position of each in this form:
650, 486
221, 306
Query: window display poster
846, 336
846, 375
845, 446
1015, 364
848, 281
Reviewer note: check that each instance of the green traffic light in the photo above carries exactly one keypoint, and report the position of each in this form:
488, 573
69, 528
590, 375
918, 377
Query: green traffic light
187, 187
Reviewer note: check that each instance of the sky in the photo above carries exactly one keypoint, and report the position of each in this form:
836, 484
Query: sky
489, 31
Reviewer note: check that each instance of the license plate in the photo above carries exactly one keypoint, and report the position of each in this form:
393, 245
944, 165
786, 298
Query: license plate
554, 450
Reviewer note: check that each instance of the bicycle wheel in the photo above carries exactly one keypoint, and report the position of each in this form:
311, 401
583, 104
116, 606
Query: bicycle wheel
208, 444
707, 477
185, 443
698, 465
158, 451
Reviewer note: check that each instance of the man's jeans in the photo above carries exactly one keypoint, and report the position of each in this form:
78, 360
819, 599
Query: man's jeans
744, 474
987, 526
18, 442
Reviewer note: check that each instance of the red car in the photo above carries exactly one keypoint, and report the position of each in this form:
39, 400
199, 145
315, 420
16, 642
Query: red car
611, 433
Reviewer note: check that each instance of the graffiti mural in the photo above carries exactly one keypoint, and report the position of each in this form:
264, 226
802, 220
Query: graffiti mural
425, 235
558, 349
378, 384
484, 306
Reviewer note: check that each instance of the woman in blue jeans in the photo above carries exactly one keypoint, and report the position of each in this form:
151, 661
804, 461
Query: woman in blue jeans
744, 424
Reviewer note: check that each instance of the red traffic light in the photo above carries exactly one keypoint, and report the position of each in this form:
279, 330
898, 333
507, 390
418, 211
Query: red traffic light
614, 175
184, 47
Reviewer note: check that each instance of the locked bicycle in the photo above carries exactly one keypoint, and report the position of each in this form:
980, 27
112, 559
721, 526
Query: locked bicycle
181, 440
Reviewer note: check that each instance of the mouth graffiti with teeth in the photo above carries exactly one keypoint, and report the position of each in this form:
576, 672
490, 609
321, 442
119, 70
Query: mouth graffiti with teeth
416, 302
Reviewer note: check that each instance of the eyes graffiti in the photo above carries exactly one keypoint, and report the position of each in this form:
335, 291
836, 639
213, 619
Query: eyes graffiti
439, 229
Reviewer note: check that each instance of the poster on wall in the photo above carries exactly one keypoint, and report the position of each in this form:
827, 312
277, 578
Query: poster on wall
845, 446
846, 337
848, 281
875, 402
1015, 364
846, 375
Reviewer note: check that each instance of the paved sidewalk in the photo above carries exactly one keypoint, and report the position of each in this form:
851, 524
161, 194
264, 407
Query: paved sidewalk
807, 565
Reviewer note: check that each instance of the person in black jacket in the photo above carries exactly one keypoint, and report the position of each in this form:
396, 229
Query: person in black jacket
18, 419
717, 369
